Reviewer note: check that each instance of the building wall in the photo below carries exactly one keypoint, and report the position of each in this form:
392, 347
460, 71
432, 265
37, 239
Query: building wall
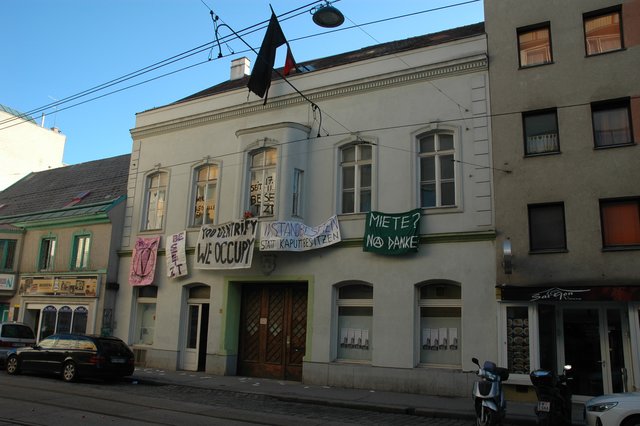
26, 148
385, 102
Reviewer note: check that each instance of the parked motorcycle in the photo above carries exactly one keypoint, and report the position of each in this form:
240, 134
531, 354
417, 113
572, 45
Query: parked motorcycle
488, 396
554, 397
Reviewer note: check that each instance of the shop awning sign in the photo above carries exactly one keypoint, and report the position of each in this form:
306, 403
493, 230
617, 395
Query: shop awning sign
570, 294
392, 233
295, 236
226, 246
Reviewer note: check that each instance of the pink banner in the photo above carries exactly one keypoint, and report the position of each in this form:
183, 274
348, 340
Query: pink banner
143, 263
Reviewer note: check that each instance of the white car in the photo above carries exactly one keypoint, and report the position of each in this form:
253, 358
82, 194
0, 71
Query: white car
615, 409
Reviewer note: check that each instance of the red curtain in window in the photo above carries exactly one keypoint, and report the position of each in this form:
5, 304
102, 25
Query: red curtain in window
621, 223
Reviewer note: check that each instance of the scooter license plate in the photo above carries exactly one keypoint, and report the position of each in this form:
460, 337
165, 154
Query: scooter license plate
544, 406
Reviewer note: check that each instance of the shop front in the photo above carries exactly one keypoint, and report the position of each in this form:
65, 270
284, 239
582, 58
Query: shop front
59, 304
592, 328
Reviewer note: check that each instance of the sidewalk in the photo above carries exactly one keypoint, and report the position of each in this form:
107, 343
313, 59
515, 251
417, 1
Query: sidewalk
518, 413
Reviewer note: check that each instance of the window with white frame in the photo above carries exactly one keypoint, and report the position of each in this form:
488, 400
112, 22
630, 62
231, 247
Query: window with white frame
80, 254
156, 194
437, 169
205, 194
145, 315
262, 182
296, 201
355, 166
440, 305
355, 321
47, 253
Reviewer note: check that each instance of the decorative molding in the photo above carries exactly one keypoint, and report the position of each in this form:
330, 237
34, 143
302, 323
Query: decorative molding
477, 63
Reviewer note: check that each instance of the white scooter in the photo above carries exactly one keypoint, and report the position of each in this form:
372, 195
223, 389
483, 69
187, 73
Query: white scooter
488, 397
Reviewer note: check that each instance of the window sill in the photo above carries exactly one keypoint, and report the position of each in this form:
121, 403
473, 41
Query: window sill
542, 154
440, 366
619, 145
440, 210
549, 251
526, 67
605, 53
620, 248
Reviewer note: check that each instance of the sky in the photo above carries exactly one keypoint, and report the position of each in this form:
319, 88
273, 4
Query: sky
76, 53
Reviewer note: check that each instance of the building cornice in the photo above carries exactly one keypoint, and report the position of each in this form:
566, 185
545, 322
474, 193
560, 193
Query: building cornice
411, 76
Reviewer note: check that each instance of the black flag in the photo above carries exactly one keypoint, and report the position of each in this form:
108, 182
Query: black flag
260, 79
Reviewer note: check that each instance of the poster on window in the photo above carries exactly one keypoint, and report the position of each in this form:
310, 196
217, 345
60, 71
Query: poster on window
176, 255
143, 262
226, 246
295, 236
7, 281
392, 233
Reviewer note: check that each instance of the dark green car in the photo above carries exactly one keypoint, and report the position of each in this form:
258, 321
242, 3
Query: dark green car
74, 356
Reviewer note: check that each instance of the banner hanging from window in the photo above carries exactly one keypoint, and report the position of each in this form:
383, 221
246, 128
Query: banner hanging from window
295, 236
226, 246
176, 255
143, 262
392, 233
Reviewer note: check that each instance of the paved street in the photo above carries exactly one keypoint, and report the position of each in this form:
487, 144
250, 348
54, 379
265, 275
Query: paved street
33, 400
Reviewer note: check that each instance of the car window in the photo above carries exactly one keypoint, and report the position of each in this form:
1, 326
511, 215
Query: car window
67, 342
86, 345
48, 343
17, 331
111, 345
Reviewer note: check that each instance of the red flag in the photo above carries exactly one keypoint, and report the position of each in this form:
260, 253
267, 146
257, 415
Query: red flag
289, 63
260, 79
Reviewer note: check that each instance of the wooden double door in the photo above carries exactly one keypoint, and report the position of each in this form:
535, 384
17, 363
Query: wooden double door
273, 330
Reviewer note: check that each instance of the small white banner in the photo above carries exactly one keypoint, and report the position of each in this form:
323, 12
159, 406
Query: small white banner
226, 246
176, 255
7, 282
296, 236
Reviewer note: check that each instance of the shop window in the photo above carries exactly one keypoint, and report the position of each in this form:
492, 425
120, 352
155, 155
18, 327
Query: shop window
155, 201
79, 323
611, 123
7, 254
437, 170
355, 321
80, 255
355, 169
603, 31
63, 324
205, 195
540, 132
534, 45
145, 315
547, 228
47, 254
620, 223
48, 322
262, 182
518, 340
440, 307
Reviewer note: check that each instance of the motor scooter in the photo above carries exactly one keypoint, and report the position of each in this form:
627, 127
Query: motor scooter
488, 396
554, 397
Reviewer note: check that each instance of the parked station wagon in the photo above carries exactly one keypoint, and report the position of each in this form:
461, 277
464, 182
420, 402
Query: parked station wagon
14, 335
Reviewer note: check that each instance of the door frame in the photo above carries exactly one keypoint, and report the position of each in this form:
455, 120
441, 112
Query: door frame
602, 309
200, 351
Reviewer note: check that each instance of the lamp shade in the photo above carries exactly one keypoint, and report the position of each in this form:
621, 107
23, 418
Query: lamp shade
328, 16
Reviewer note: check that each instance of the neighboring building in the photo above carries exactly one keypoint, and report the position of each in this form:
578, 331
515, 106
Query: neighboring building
565, 122
400, 126
26, 146
60, 230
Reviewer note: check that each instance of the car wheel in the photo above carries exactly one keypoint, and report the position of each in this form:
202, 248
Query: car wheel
631, 421
13, 366
69, 371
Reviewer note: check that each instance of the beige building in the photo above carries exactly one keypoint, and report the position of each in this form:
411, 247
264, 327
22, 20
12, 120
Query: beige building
59, 233
565, 121
26, 146
397, 128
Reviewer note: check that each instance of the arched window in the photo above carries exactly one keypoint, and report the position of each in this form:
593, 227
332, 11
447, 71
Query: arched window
204, 195
440, 307
355, 321
79, 324
156, 195
64, 320
48, 324
437, 169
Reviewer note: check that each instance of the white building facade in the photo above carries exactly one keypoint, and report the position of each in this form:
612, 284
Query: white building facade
401, 128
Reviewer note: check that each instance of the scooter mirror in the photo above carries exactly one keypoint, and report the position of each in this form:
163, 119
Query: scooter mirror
475, 361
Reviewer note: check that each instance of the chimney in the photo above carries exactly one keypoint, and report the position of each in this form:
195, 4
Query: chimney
240, 68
